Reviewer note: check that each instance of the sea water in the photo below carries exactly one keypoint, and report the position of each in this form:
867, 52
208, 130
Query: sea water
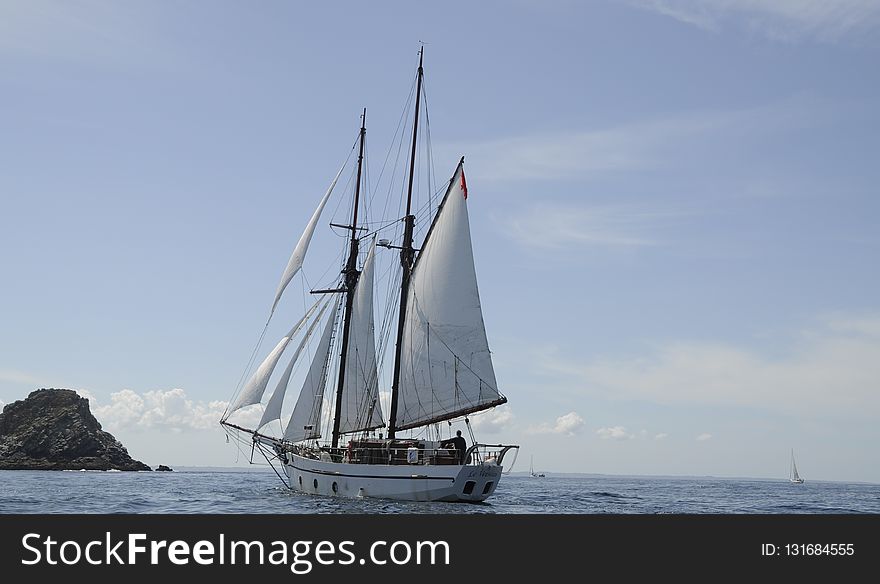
233, 491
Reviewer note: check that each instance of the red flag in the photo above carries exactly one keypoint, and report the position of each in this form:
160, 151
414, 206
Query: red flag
463, 185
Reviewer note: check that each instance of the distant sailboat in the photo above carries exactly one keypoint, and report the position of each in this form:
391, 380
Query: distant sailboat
793, 475
532, 470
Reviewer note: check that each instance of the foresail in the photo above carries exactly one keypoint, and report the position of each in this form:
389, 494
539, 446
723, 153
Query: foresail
360, 396
299, 253
305, 421
446, 367
273, 407
256, 385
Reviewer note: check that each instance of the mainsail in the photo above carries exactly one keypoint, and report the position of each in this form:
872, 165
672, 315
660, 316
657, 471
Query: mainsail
299, 252
305, 421
256, 385
360, 396
446, 368
273, 407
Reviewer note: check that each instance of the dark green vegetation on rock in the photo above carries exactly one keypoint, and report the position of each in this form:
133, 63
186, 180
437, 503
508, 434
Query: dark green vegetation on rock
53, 429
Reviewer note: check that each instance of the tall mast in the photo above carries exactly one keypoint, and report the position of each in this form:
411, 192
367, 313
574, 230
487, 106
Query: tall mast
406, 256
351, 278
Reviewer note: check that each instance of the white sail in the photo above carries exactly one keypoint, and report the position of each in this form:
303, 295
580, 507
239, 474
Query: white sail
256, 385
299, 252
305, 421
360, 395
273, 407
446, 368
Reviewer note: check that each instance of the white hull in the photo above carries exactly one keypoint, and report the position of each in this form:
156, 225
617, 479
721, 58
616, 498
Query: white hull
417, 482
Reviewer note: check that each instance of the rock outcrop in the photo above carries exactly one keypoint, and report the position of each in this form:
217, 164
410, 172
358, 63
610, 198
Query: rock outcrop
53, 429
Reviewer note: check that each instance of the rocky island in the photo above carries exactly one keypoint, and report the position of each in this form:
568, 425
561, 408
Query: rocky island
53, 429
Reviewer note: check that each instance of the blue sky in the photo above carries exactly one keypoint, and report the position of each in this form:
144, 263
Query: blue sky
673, 203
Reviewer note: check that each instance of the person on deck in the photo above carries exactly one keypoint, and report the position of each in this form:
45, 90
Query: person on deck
460, 445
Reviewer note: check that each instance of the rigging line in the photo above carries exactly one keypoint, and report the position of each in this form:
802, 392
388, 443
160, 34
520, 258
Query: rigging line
351, 179
460, 360
339, 199
428, 141
262, 451
402, 125
317, 405
335, 261
238, 387
332, 370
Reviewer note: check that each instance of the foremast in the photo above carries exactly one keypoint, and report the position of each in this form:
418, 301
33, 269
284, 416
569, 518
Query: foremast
351, 277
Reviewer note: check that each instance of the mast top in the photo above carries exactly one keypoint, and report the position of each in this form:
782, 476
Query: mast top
421, 56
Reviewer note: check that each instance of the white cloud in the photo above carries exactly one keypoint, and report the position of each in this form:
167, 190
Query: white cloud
170, 409
831, 369
661, 436
703, 437
614, 433
86, 394
568, 425
493, 421
787, 20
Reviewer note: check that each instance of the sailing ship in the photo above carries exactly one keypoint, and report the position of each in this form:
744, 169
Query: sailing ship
793, 475
442, 368
532, 472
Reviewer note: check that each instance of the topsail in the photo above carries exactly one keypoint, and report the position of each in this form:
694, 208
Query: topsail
299, 253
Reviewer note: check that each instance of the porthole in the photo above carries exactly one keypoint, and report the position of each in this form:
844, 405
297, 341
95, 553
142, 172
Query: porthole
315, 482
488, 487
335, 487
300, 480
469, 487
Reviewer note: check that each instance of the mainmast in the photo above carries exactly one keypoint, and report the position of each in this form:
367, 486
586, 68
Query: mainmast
351, 278
406, 257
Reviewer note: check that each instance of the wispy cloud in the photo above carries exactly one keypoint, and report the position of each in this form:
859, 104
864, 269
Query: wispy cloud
20, 377
567, 425
786, 20
614, 433
89, 31
634, 146
661, 436
555, 225
830, 369
703, 437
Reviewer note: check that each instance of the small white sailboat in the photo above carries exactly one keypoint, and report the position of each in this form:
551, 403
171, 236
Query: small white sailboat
532, 472
442, 366
793, 475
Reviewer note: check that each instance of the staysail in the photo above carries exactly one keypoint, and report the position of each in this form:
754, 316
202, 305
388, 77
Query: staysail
299, 252
305, 421
360, 408
273, 407
256, 385
446, 368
